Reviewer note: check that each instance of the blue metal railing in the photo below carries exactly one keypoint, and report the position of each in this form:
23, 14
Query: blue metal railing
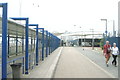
23, 63
14, 60
52, 42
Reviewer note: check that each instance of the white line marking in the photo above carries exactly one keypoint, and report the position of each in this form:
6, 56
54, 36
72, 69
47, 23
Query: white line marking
53, 66
99, 67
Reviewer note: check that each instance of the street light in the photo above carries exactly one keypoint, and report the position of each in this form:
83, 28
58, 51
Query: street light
114, 34
106, 25
92, 38
81, 36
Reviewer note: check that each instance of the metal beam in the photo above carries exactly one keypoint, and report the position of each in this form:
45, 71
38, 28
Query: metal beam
26, 42
4, 40
42, 42
46, 43
36, 41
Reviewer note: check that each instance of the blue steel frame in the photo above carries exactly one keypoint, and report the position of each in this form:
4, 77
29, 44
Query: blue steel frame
49, 42
4, 40
42, 42
26, 43
55, 43
36, 41
52, 42
8, 45
46, 43
31, 42
16, 43
23, 44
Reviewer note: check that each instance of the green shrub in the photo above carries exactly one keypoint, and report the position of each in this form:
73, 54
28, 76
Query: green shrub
102, 43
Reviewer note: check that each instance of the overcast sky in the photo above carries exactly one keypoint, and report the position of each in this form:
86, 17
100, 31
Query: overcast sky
62, 15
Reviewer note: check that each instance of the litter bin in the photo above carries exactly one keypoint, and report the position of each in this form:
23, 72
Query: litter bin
16, 70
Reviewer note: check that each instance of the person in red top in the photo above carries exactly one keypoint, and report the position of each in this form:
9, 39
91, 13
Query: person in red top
106, 52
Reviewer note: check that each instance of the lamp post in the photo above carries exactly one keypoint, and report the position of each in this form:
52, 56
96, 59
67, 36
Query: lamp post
106, 25
114, 28
81, 37
92, 38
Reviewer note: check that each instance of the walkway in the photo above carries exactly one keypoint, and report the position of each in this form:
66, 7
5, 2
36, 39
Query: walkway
73, 64
97, 57
46, 68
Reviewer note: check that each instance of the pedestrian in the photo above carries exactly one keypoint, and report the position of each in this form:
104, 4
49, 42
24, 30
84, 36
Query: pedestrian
107, 52
115, 52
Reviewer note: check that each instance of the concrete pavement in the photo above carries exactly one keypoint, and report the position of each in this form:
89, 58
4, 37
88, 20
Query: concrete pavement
97, 57
46, 68
73, 64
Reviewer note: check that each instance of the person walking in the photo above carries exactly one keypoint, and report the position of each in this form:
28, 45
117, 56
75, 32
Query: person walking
115, 52
107, 51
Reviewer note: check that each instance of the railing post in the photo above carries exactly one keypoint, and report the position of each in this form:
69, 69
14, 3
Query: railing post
36, 41
42, 44
46, 43
8, 46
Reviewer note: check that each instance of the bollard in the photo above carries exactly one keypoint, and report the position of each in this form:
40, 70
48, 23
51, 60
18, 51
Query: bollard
16, 70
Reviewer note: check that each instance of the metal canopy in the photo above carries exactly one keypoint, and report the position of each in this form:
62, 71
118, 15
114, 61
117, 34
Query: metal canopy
84, 34
18, 29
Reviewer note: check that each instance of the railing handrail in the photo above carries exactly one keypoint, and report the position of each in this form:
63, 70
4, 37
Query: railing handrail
15, 59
